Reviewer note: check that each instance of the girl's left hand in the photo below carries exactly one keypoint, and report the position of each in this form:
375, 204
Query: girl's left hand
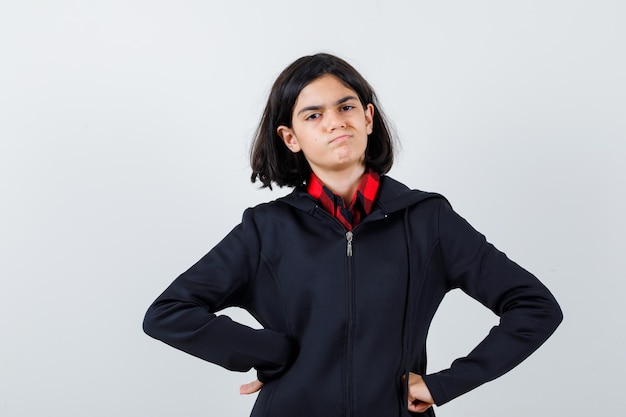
420, 399
251, 387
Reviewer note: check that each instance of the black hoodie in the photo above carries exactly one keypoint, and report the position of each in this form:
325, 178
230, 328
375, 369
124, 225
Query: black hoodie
346, 314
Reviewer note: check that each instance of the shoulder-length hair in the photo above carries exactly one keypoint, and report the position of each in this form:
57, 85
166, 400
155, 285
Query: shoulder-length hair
272, 161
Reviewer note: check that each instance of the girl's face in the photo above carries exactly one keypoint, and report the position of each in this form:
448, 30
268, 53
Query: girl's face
330, 126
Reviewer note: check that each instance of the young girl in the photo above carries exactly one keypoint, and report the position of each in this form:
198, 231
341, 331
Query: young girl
345, 273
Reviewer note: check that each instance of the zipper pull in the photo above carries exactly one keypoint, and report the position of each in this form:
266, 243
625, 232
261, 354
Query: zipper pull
349, 239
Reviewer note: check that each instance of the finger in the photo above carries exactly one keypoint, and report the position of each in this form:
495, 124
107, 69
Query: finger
418, 406
250, 387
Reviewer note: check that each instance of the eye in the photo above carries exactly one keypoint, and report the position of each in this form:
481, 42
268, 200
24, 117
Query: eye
347, 107
313, 116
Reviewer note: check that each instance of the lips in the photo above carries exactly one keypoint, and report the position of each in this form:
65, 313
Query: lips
341, 138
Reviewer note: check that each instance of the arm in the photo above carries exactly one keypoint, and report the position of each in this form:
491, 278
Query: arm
184, 315
528, 312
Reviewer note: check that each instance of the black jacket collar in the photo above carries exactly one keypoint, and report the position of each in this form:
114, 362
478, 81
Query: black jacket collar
393, 196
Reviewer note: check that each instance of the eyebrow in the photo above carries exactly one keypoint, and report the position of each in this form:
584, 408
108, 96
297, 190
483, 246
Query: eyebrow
338, 102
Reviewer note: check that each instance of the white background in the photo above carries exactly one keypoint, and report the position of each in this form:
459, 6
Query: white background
124, 135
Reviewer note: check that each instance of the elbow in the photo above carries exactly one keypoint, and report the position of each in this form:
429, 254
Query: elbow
548, 320
151, 323
556, 316
536, 321
537, 314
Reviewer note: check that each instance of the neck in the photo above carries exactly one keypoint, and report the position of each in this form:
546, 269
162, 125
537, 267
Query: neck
343, 183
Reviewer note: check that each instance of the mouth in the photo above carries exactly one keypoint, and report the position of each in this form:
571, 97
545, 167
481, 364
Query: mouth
339, 139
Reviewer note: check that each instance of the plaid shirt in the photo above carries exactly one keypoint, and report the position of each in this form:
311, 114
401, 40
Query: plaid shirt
360, 206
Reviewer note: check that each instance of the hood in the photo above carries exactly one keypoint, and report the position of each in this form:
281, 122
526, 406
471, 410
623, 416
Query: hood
393, 196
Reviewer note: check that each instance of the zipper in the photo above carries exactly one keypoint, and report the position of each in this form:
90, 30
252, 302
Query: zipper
347, 367
349, 236
350, 324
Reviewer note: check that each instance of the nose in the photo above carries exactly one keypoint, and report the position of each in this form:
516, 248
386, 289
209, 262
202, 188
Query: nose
334, 120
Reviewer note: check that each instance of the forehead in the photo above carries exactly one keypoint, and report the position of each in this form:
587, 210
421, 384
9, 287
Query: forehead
324, 90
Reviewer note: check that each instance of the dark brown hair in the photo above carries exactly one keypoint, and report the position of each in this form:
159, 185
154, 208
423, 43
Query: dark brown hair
272, 161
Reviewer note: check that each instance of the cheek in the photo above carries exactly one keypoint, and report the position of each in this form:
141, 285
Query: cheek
308, 136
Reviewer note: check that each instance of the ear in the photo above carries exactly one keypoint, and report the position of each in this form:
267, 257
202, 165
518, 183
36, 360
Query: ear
369, 118
289, 138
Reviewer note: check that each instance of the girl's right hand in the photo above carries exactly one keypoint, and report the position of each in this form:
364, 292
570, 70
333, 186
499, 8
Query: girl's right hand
251, 387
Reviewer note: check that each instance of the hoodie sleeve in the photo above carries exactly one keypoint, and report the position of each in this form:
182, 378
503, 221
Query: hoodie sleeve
184, 315
528, 312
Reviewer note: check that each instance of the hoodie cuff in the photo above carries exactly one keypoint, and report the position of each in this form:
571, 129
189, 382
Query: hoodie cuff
435, 389
280, 351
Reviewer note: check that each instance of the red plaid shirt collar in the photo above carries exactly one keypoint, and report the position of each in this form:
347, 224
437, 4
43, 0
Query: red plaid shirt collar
362, 202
